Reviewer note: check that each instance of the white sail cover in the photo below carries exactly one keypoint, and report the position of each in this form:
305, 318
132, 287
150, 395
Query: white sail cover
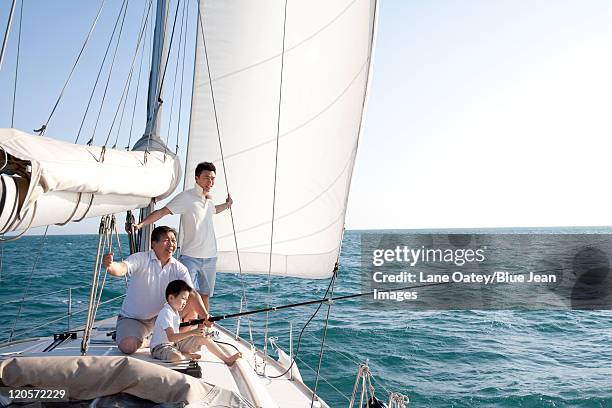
325, 73
69, 181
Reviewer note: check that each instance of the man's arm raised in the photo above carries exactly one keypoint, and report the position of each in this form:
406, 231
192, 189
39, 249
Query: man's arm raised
226, 205
114, 268
154, 216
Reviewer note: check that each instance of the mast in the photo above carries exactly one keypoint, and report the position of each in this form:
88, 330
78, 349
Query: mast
151, 139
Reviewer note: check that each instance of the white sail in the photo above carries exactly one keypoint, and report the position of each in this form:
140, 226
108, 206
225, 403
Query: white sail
326, 67
57, 182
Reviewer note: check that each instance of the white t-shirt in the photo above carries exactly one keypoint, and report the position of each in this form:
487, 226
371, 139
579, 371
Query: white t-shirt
197, 221
167, 317
146, 293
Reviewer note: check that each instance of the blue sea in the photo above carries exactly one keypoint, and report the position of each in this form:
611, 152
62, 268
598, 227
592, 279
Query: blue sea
438, 358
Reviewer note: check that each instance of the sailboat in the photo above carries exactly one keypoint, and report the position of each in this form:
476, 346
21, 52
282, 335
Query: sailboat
278, 101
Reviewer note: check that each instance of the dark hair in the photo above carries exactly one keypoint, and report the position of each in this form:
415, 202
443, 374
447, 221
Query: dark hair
204, 166
160, 231
175, 287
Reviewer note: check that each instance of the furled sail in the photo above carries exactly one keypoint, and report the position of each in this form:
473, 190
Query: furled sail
47, 181
318, 108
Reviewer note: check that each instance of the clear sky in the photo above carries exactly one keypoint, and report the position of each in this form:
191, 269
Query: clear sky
481, 113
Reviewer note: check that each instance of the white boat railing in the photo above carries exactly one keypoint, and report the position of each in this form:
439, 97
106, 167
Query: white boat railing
42, 295
68, 315
396, 400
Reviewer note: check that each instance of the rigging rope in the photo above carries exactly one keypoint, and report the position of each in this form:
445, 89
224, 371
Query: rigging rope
17, 64
42, 244
102, 234
7, 31
161, 84
178, 58
43, 128
212, 94
126, 87
116, 231
329, 305
326, 381
143, 24
297, 351
108, 240
181, 92
280, 99
110, 41
138, 81
110, 73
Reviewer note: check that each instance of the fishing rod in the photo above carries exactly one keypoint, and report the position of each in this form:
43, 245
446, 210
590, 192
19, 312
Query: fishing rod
312, 302
309, 302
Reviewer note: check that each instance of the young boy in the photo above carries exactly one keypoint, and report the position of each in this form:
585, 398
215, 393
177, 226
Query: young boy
168, 343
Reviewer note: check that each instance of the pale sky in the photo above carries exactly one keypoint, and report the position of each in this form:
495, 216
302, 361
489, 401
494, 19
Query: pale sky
480, 114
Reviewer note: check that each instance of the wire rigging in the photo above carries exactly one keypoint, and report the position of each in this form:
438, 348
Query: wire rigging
93, 90
143, 25
182, 82
7, 31
178, 58
161, 84
329, 305
110, 73
43, 128
280, 101
27, 289
126, 87
214, 105
17, 64
127, 147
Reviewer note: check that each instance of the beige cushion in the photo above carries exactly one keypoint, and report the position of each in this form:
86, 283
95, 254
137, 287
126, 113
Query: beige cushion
90, 377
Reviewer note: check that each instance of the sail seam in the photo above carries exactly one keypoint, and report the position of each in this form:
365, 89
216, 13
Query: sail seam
323, 28
313, 200
244, 297
280, 101
309, 120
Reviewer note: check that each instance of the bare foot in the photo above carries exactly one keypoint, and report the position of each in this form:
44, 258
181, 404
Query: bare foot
231, 360
193, 356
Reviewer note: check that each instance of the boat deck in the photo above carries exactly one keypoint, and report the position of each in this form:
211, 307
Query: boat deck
241, 378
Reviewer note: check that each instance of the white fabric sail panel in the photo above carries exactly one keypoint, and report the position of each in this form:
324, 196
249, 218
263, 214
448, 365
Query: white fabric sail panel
63, 166
327, 62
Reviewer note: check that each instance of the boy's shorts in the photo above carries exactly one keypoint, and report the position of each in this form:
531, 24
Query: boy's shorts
167, 350
203, 272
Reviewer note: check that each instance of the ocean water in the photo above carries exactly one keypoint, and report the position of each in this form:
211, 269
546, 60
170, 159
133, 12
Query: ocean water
468, 358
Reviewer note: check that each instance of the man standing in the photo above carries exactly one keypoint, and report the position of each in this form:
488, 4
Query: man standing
150, 272
199, 251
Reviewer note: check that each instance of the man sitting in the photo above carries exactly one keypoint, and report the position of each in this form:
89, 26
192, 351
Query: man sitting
150, 273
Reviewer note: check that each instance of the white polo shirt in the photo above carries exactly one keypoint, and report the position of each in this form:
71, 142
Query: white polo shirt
197, 212
146, 293
167, 317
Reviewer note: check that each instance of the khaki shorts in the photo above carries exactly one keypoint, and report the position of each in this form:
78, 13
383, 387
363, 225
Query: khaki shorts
166, 351
128, 327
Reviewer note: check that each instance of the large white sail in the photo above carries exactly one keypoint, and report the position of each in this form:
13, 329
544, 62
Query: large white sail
325, 72
51, 181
